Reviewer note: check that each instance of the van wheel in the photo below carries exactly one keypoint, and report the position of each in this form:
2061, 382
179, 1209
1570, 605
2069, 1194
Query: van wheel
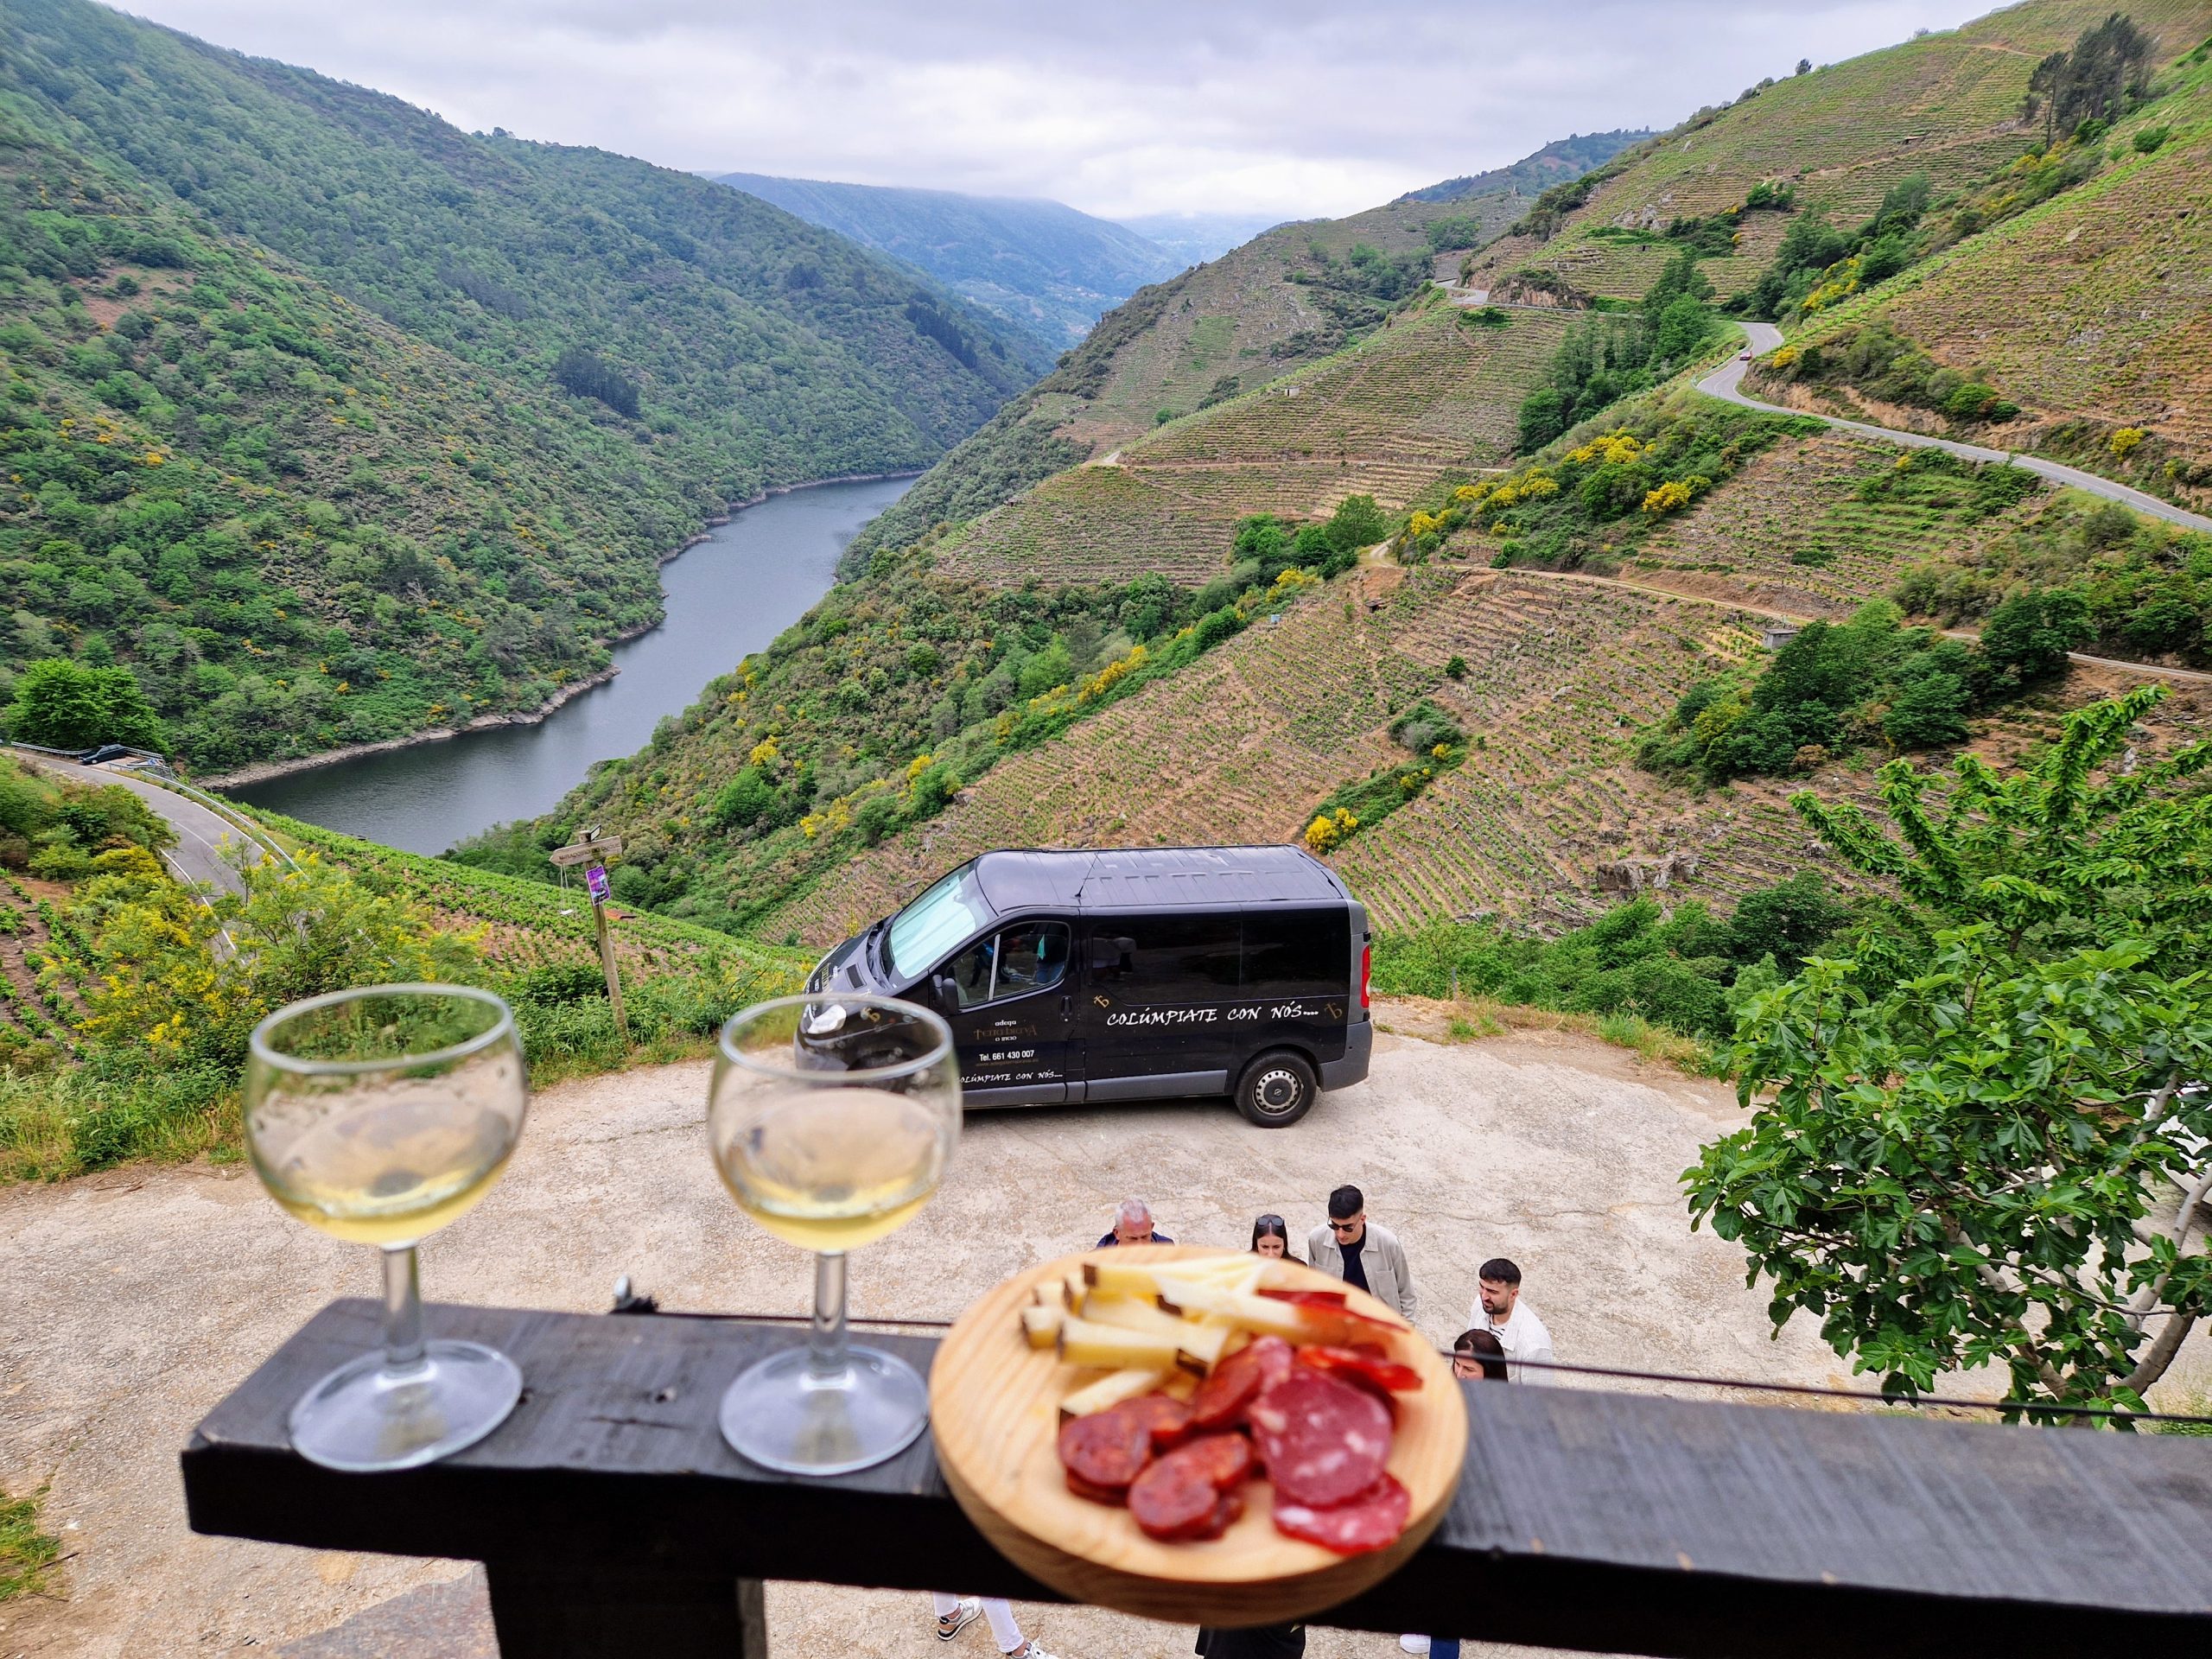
1277, 1089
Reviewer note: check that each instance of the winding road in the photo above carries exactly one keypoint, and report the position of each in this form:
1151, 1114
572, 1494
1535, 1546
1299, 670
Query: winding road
1726, 382
201, 834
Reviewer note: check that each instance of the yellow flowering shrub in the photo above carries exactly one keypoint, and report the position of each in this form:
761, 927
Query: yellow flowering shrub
160, 984
2123, 441
1613, 449
1538, 483
763, 754
1667, 498
1328, 829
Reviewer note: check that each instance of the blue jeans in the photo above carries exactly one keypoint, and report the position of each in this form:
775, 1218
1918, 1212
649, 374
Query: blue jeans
1443, 1647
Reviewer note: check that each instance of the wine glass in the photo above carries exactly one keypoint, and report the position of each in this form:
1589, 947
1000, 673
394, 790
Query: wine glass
379, 1115
831, 1117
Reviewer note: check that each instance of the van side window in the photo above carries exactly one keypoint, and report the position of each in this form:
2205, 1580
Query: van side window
1296, 953
1191, 958
1014, 962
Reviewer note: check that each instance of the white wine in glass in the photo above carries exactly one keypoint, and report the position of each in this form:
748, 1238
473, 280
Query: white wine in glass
379, 1115
831, 1118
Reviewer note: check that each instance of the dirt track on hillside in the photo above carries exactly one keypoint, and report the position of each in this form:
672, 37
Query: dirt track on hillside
138, 1297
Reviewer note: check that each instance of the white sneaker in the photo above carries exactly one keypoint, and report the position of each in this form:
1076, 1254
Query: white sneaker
1412, 1644
969, 1609
1032, 1649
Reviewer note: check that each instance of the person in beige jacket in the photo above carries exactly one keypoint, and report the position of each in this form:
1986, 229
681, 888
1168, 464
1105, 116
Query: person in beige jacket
1353, 1248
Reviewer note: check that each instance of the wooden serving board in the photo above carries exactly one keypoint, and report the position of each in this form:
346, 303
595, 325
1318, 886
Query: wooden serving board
995, 1411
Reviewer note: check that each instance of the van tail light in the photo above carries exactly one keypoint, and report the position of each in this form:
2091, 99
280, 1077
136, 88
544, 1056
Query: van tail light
1366, 957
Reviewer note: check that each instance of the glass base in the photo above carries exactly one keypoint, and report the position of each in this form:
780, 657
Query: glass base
780, 1415
363, 1418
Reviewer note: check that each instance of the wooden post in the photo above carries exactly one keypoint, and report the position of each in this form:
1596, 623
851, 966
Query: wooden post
593, 849
614, 977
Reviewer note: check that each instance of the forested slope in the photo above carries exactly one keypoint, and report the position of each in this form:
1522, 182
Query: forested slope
333, 423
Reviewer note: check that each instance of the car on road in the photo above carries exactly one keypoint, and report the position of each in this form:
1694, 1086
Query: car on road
1743, 357
1134, 974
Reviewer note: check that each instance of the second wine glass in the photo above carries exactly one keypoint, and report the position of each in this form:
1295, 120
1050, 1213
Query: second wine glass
831, 1119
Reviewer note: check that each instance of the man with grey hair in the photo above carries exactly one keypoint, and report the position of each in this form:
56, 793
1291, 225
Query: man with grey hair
1133, 1225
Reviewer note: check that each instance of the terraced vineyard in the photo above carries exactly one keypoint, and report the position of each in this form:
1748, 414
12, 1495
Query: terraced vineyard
1790, 530
1415, 403
1946, 105
41, 966
2096, 306
1241, 747
527, 924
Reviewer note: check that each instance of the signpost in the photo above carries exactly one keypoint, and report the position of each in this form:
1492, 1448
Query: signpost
591, 850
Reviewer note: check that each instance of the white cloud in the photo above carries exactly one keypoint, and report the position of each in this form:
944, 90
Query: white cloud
1279, 106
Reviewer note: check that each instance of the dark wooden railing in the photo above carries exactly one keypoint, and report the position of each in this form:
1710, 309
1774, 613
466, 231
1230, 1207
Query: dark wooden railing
613, 1520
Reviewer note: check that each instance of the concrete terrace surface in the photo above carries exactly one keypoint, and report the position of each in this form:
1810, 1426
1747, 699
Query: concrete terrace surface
141, 1295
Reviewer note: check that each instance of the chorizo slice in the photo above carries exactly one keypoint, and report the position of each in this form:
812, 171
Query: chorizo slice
1322, 1441
1373, 1520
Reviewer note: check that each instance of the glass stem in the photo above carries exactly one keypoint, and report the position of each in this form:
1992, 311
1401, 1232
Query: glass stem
402, 1311
825, 1342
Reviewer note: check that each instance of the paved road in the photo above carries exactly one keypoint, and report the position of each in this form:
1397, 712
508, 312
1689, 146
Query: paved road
202, 835
1726, 382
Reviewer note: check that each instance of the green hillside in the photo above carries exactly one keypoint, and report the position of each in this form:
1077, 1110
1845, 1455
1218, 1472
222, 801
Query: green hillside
1043, 268
1946, 106
2087, 314
334, 424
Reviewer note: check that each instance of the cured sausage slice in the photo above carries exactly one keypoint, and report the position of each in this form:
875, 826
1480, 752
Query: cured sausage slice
1362, 1362
1324, 1441
1166, 1419
1223, 1396
1371, 1520
1117, 1496
1179, 1495
1106, 1450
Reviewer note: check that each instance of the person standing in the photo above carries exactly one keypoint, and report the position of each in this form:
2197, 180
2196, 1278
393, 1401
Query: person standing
1360, 1252
1270, 1237
955, 1614
1499, 1308
1478, 1354
1133, 1225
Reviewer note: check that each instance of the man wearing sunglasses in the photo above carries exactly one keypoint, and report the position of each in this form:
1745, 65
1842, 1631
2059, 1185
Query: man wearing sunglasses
1355, 1249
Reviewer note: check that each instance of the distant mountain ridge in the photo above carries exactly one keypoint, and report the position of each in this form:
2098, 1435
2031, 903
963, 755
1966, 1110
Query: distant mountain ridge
1042, 266
1562, 159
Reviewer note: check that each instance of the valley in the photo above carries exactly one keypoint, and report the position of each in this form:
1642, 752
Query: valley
1733, 603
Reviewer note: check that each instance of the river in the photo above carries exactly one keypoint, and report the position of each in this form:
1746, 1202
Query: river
730, 594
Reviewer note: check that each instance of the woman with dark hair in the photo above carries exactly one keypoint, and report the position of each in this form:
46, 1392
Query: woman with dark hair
1270, 1237
1478, 1353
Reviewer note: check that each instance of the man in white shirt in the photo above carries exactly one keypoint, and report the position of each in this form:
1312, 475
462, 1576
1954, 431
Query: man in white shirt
1499, 1309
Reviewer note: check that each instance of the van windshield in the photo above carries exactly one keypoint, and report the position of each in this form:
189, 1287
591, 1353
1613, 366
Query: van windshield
948, 913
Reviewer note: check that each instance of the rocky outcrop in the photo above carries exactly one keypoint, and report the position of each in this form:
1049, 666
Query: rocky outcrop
1635, 875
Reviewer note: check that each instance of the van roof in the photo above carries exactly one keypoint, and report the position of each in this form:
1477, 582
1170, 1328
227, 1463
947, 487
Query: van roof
1149, 878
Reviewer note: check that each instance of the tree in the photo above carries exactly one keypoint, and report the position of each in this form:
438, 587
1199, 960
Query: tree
68, 705
1980, 1143
2028, 635
1804, 66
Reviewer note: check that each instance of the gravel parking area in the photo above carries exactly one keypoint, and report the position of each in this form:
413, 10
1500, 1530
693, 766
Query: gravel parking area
140, 1296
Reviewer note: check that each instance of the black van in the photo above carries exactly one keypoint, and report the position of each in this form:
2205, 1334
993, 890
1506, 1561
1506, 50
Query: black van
1137, 974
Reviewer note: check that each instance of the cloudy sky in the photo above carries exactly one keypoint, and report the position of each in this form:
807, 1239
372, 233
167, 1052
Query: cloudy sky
1290, 107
